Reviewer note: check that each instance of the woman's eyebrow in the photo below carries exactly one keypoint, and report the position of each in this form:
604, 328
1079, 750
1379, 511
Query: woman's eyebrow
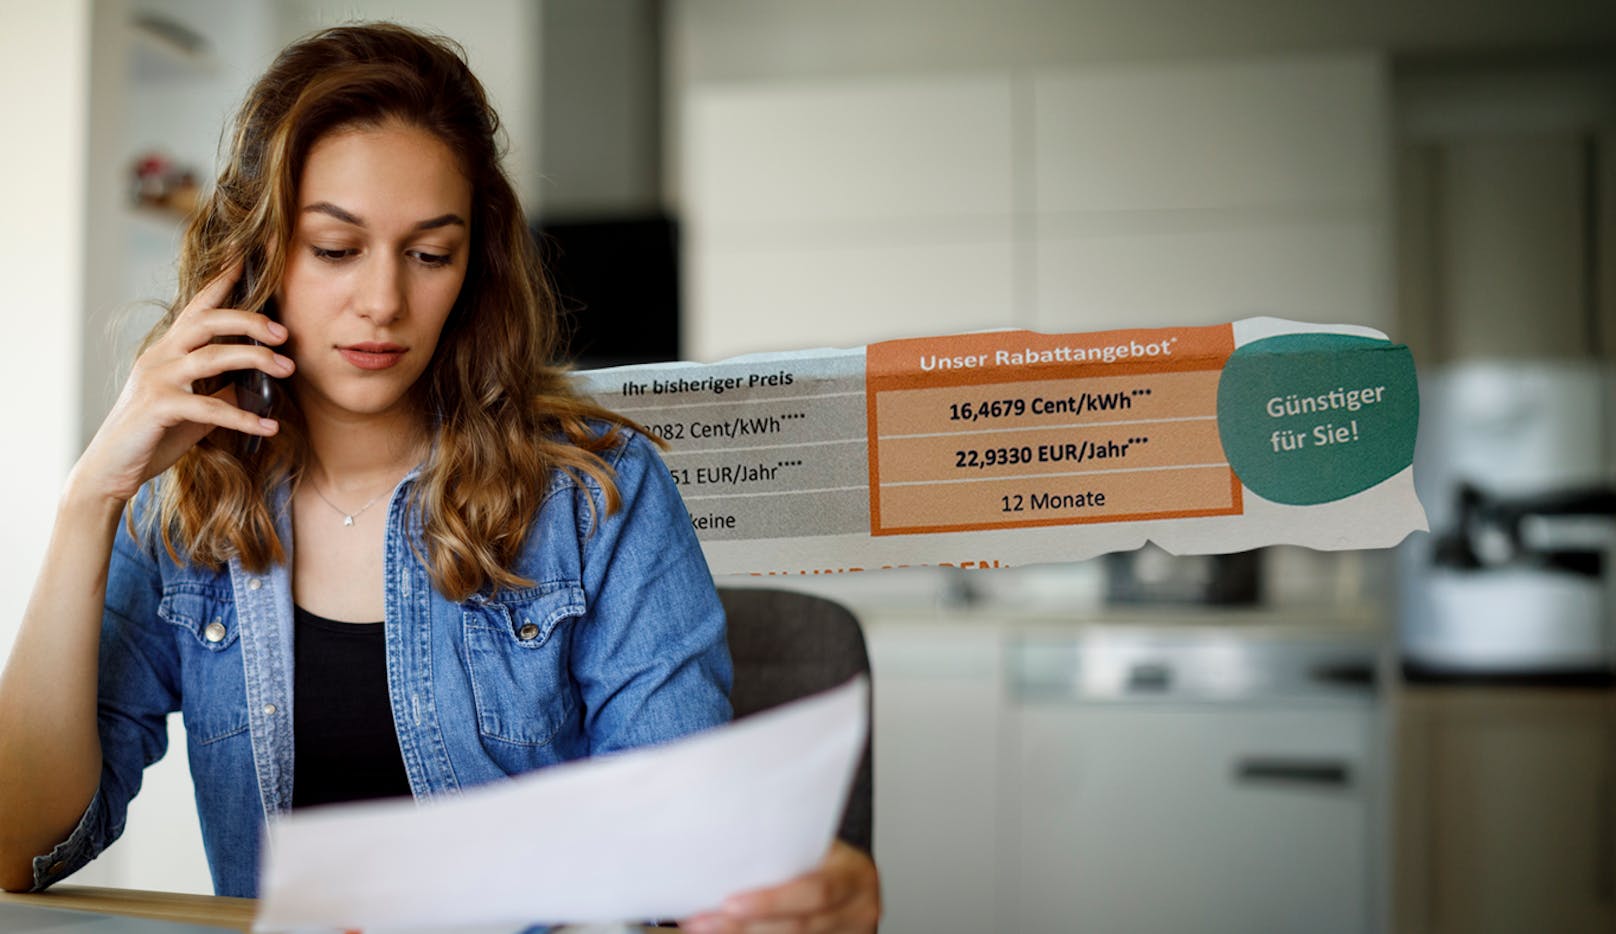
347, 217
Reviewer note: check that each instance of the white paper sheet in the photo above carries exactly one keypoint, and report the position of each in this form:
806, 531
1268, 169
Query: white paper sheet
656, 833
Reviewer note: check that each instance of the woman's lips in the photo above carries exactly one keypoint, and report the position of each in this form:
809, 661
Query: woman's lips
372, 356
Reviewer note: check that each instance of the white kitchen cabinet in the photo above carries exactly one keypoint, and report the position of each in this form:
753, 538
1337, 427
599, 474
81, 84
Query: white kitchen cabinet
938, 707
1190, 780
1160, 819
838, 213
1325, 267
1198, 193
1241, 789
793, 295
1211, 135
852, 152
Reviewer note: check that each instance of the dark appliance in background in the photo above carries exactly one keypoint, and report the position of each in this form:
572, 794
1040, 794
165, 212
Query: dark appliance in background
1150, 575
617, 283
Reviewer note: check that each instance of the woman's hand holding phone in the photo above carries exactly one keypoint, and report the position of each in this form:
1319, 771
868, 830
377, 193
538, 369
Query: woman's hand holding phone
160, 413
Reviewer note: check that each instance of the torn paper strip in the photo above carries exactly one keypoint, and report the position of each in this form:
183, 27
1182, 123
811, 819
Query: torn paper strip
1012, 447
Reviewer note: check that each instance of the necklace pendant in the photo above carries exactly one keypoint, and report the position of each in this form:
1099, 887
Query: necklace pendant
347, 520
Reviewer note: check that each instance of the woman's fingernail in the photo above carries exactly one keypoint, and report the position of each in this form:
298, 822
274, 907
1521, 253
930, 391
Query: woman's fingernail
278, 329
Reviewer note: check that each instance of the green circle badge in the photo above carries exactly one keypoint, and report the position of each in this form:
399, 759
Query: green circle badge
1312, 418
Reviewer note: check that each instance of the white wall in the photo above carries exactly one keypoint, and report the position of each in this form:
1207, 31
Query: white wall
840, 212
42, 266
1200, 192
42, 259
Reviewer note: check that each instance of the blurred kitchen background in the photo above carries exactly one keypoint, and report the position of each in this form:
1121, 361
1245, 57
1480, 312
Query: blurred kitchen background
1418, 741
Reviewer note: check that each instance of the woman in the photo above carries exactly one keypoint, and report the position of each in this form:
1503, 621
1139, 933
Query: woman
491, 574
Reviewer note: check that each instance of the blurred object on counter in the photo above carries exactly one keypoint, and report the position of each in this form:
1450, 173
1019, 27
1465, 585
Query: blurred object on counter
159, 183
1152, 575
1515, 580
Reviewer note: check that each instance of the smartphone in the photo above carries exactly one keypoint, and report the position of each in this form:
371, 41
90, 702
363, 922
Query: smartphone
255, 389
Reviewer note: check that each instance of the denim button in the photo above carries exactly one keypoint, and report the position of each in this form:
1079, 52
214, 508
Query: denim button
528, 632
254, 584
214, 632
269, 709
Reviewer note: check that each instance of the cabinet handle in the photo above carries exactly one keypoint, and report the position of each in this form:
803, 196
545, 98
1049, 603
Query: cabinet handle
1316, 773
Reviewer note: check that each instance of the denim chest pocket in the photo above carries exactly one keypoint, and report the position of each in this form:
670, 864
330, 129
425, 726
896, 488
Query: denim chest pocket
213, 687
517, 648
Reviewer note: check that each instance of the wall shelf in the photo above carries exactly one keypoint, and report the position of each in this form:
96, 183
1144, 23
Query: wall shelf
163, 49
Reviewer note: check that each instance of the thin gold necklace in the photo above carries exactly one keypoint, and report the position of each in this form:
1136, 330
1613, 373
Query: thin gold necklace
347, 517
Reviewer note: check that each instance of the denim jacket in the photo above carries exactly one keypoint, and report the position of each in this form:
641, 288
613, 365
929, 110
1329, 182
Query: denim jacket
619, 642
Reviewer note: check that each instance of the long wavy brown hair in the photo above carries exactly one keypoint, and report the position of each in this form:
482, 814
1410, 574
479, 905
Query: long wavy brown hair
503, 414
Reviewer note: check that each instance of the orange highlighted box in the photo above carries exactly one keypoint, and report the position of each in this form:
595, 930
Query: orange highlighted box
1107, 497
1069, 449
1049, 402
1014, 429
999, 356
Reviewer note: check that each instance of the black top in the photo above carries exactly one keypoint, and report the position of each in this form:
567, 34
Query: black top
344, 744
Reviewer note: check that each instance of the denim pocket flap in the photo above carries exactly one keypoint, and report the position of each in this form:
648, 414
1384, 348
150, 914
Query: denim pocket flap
528, 617
517, 655
204, 613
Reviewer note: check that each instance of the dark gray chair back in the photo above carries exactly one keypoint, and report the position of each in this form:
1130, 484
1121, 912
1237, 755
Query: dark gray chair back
789, 645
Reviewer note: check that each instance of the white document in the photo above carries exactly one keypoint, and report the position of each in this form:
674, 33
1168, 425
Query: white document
662, 832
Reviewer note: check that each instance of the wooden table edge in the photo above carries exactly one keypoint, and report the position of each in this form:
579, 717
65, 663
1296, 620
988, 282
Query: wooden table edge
208, 910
